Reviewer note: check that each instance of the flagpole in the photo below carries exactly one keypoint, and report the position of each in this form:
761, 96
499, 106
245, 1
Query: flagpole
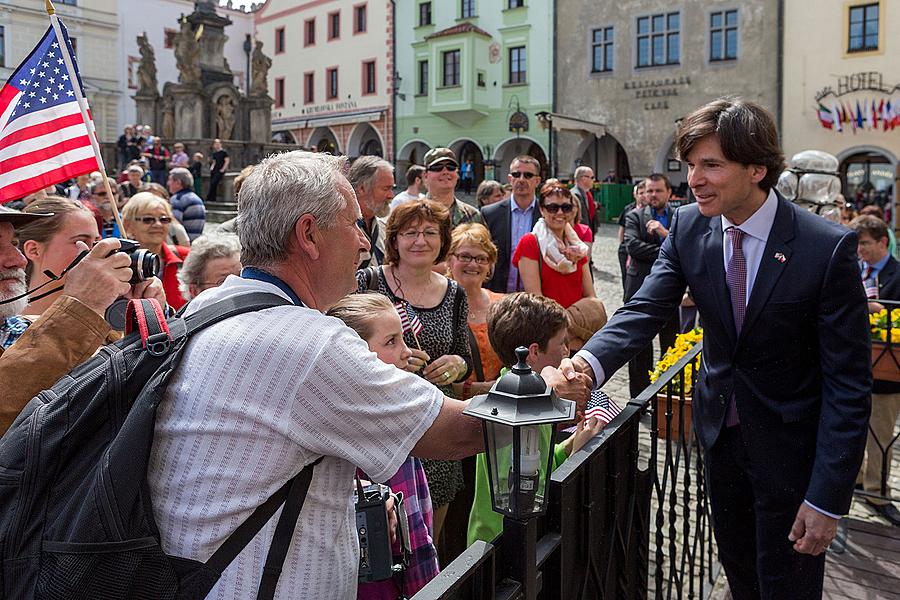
82, 106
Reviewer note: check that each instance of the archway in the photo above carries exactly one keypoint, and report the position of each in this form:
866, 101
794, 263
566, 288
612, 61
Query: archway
364, 141
284, 137
466, 149
323, 140
412, 153
868, 176
513, 147
669, 165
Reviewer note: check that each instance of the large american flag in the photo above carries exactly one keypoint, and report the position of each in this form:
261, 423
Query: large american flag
43, 137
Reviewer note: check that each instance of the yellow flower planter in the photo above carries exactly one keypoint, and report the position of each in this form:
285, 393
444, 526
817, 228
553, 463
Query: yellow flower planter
885, 361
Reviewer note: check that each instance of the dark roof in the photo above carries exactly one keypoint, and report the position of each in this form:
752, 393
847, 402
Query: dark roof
458, 29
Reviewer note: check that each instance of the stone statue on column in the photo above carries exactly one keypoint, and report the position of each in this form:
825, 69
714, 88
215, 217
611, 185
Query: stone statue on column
147, 84
187, 55
225, 117
260, 63
167, 130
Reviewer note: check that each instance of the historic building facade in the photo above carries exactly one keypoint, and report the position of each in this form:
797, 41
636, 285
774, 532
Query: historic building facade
332, 73
94, 30
842, 91
627, 73
473, 75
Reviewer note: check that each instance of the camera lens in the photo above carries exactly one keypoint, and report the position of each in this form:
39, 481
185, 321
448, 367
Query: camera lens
144, 265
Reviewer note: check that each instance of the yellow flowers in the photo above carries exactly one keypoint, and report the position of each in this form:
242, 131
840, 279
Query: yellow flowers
878, 322
683, 343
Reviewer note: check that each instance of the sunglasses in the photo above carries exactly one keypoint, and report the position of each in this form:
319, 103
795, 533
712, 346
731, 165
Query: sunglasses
442, 167
555, 208
526, 175
148, 220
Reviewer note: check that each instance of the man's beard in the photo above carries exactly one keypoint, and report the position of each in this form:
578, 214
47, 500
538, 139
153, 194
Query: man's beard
13, 281
383, 211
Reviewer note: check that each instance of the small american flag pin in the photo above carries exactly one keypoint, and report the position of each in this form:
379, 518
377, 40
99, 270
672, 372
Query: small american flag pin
780, 257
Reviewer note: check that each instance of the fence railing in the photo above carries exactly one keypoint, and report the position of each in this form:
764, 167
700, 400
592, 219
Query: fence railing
627, 516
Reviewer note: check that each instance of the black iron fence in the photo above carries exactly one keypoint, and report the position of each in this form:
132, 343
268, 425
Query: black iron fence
627, 516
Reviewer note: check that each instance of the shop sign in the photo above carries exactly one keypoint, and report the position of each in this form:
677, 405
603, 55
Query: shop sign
656, 92
328, 108
518, 122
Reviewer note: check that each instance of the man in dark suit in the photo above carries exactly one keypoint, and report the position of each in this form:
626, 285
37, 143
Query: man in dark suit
881, 280
508, 220
582, 190
782, 398
645, 230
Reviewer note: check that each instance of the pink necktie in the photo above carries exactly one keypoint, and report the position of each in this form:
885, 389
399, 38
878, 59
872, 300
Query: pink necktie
736, 278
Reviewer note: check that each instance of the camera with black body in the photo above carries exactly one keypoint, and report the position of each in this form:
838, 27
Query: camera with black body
376, 561
144, 264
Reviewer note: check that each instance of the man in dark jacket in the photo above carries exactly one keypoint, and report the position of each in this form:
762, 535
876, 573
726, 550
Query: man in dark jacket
881, 279
187, 206
645, 230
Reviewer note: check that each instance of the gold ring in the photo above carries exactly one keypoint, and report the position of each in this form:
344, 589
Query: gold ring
446, 375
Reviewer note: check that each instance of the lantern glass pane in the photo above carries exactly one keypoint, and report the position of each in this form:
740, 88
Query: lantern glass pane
535, 455
498, 448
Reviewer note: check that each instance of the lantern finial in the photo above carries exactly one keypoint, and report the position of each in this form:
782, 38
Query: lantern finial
522, 366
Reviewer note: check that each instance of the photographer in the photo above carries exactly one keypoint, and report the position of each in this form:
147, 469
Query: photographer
147, 219
259, 396
67, 333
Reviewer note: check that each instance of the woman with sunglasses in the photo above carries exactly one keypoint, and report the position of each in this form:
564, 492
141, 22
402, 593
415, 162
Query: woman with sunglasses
147, 219
552, 259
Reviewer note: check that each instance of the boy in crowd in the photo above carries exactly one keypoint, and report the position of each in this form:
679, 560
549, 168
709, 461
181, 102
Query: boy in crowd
541, 325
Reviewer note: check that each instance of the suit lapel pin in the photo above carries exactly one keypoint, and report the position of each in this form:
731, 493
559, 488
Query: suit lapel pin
780, 257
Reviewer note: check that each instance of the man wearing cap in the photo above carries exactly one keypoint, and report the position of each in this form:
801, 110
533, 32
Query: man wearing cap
441, 176
33, 356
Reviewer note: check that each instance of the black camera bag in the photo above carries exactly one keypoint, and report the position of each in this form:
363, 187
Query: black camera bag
75, 512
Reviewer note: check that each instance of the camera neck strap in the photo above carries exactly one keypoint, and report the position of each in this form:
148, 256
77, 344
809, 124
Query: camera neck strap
52, 277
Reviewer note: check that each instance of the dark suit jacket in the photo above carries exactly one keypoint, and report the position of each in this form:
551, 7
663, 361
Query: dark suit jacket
642, 247
800, 369
584, 213
498, 220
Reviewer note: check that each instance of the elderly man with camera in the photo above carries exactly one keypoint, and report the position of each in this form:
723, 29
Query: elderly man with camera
261, 395
37, 354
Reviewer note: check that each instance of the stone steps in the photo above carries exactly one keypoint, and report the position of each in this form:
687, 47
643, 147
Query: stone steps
219, 212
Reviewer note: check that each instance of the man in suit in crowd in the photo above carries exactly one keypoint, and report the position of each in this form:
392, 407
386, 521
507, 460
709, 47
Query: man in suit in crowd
508, 220
645, 230
584, 184
881, 280
638, 194
781, 404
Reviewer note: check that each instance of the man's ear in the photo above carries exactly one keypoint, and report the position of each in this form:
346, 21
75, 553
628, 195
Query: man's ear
32, 250
307, 236
533, 350
757, 172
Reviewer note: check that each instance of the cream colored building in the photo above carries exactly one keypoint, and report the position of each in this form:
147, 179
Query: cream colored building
93, 26
331, 74
841, 74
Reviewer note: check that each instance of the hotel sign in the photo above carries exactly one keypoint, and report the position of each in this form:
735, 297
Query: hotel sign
866, 81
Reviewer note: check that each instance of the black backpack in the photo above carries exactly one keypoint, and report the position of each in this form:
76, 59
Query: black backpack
75, 512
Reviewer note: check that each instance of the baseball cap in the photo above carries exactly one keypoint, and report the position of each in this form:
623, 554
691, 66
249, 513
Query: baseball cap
436, 155
9, 215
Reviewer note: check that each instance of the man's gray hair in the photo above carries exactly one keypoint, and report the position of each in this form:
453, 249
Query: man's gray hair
183, 176
363, 170
204, 249
280, 190
583, 170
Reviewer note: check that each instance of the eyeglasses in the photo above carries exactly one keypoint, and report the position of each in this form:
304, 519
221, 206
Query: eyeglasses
148, 220
479, 260
555, 208
525, 174
412, 235
442, 167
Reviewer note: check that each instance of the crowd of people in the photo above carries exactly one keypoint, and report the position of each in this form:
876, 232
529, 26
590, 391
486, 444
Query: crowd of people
404, 306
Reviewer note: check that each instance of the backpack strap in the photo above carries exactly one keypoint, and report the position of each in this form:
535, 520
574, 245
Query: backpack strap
148, 317
476, 354
292, 494
230, 307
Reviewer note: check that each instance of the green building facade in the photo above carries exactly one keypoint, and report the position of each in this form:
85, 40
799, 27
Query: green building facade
475, 76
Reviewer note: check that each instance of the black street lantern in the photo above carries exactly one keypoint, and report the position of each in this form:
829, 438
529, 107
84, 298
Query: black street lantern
518, 416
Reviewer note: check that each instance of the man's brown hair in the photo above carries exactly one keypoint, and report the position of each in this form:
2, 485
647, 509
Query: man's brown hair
522, 319
410, 214
870, 224
746, 131
527, 160
659, 177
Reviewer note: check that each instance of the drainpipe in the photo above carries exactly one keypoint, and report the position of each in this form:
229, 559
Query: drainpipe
550, 150
393, 83
779, 62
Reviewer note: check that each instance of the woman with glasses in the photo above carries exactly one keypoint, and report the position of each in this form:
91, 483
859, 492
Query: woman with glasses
471, 262
417, 238
147, 219
49, 244
552, 259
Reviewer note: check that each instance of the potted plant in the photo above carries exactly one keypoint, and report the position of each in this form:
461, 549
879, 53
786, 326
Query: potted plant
885, 353
683, 343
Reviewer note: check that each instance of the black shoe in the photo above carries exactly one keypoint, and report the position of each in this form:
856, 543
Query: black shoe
888, 511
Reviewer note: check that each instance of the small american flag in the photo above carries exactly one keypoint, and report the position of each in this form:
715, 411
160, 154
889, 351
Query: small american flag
410, 322
43, 137
601, 406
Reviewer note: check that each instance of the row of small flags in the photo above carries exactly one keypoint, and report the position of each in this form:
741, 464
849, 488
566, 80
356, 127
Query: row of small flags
865, 116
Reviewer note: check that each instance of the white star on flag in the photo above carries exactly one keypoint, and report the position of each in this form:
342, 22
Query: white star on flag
23, 81
43, 101
56, 96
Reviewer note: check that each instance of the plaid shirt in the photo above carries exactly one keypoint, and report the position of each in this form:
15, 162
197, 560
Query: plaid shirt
12, 329
423, 567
